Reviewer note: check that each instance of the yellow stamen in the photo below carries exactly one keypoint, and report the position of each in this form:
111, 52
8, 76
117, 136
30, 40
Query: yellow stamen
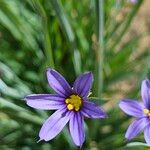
67, 101
146, 111
74, 102
76, 109
70, 106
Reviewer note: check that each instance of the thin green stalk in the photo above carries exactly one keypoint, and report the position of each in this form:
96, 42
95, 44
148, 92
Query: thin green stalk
47, 44
66, 27
100, 37
47, 41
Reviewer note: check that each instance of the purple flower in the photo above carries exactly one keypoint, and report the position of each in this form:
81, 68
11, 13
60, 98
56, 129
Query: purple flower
72, 106
139, 110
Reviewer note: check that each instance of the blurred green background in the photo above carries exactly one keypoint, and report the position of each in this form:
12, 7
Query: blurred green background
108, 37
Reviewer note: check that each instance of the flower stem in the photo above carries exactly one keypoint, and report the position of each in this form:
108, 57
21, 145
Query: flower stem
100, 38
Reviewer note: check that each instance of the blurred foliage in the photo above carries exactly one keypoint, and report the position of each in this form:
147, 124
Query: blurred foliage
36, 34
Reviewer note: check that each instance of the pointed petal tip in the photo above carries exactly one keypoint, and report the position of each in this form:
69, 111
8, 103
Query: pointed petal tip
127, 139
25, 99
80, 146
145, 92
48, 69
58, 83
90, 74
146, 80
120, 103
83, 84
39, 140
104, 116
146, 83
42, 139
147, 134
123, 101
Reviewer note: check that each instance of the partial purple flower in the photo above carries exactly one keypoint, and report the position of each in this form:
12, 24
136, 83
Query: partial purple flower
139, 110
133, 1
71, 103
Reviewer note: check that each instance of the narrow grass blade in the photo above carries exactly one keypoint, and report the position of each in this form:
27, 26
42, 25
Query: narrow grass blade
66, 27
100, 37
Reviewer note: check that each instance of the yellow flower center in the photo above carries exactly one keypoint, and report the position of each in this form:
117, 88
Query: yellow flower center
147, 112
74, 102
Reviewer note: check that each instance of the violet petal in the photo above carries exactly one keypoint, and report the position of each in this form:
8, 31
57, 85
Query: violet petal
58, 83
83, 84
145, 92
91, 110
54, 125
76, 126
147, 134
45, 101
131, 107
136, 127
